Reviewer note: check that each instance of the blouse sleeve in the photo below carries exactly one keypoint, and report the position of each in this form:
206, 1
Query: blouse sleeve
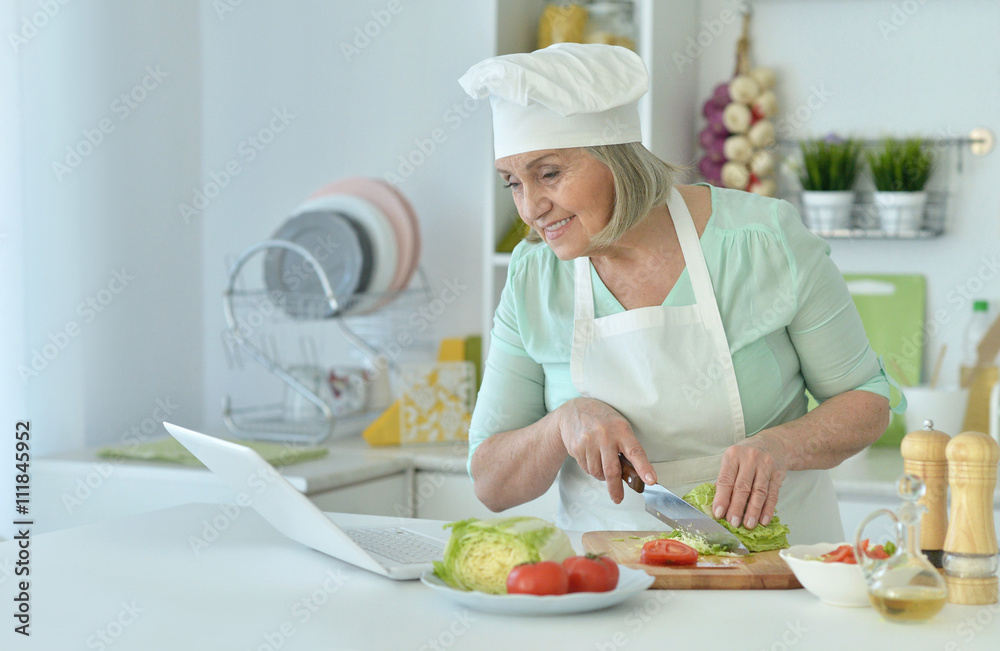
826, 330
512, 394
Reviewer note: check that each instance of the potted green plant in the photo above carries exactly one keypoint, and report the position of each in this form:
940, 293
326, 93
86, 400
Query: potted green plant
900, 170
829, 169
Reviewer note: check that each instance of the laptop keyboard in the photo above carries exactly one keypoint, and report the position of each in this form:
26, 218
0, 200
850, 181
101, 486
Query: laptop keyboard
399, 545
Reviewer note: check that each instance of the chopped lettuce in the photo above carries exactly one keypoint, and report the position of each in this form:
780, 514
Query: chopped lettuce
700, 544
761, 538
481, 553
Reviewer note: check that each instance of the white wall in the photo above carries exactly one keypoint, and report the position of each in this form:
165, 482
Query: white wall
159, 338
103, 228
105, 224
893, 68
355, 114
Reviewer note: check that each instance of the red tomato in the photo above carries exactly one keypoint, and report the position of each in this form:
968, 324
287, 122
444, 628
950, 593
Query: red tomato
667, 551
877, 552
591, 573
842, 554
546, 577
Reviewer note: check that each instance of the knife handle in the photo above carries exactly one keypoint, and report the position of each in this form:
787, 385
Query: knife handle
630, 475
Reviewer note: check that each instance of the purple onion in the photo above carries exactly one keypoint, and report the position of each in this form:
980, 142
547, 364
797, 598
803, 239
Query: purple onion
719, 128
711, 170
707, 138
720, 96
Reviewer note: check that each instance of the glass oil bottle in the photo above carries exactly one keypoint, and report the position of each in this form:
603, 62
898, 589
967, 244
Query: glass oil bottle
905, 587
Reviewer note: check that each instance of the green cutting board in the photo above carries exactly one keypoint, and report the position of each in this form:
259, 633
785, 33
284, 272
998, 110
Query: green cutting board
892, 309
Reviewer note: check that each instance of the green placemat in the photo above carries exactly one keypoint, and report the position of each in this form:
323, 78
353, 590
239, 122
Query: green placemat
168, 449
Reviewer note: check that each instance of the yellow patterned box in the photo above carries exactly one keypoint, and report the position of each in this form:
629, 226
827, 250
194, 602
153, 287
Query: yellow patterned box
436, 401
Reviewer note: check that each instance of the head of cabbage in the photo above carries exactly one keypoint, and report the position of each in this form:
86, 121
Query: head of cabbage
481, 553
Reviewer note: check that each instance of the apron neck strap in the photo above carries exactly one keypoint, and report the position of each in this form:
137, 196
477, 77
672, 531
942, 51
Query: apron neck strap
583, 308
694, 259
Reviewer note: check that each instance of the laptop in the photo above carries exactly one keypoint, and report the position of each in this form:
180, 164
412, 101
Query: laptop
396, 552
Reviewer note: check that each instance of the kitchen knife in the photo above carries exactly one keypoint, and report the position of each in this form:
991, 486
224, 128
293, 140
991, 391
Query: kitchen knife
671, 509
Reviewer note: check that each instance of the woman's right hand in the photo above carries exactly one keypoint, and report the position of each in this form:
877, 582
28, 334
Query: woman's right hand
594, 433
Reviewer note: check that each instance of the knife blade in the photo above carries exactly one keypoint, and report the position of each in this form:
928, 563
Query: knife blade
667, 507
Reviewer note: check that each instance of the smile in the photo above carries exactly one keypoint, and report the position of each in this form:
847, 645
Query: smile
552, 227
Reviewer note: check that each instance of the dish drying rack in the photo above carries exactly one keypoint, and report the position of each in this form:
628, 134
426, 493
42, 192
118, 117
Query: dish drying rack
364, 320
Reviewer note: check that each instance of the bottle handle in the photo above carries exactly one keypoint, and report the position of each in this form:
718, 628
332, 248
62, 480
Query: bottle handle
868, 564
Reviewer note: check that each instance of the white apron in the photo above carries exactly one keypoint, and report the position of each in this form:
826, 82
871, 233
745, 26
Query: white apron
669, 372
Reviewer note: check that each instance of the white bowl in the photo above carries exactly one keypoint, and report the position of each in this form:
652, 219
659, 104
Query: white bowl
837, 584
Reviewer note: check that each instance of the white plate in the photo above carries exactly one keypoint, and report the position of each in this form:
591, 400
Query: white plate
337, 244
393, 205
381, 235
630, 582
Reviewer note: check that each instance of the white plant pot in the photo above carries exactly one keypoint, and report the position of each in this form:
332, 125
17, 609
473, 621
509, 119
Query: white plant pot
827, 211
900, 212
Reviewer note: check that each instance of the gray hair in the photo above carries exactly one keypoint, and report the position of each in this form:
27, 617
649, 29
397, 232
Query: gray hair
642, 182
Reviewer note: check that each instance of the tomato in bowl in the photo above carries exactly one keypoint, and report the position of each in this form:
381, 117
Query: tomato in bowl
835, 583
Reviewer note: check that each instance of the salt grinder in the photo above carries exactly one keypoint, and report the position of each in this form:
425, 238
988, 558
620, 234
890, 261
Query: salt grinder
970, 559
923, 453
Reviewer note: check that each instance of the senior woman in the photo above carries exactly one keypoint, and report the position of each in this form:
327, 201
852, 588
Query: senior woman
679, 325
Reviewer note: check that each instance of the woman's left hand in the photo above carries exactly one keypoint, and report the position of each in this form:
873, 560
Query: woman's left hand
751, 474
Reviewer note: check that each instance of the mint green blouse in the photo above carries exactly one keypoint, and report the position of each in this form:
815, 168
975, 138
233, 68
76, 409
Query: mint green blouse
788, 316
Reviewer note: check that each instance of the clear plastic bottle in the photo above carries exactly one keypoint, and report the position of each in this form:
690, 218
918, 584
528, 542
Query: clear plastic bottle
978, 324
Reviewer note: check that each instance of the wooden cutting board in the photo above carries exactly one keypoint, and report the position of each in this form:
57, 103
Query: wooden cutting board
760, 571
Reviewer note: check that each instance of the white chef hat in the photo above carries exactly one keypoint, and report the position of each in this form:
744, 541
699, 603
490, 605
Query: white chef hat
566, 95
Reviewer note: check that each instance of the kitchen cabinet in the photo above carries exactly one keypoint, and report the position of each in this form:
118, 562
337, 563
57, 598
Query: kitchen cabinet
449, 496
383, 496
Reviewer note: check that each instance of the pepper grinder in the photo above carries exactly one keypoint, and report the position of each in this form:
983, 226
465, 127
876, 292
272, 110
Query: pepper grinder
970, 560
924, 457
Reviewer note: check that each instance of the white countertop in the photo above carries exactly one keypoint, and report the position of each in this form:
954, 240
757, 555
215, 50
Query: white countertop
871, 474
348, 461
137, 582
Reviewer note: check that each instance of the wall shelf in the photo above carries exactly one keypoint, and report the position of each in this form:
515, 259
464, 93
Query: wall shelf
949, 153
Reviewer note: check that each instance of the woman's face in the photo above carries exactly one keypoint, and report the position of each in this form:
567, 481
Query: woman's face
566, 195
